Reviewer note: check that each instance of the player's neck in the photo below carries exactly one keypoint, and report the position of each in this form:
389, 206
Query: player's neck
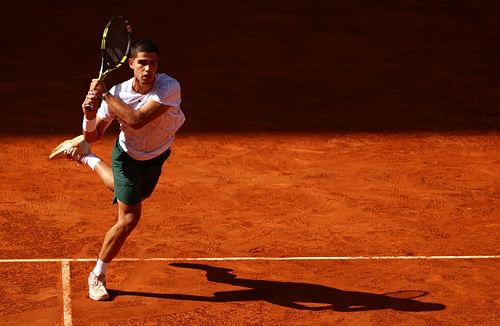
141, 88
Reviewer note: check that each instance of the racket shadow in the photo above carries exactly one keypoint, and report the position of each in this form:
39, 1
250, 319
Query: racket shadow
301, 296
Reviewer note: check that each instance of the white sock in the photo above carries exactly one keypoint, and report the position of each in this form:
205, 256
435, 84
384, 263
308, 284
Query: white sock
90, 160
100, 267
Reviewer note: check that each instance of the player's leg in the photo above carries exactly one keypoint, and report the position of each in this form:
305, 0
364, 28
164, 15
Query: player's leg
133, 181
128, 217
104, 172
126, 178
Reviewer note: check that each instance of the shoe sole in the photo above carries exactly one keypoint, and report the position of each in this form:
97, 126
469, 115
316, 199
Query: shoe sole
98, 298
65, 145
59, 150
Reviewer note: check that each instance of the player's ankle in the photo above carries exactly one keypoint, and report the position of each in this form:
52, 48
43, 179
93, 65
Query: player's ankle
90, 159
100, 268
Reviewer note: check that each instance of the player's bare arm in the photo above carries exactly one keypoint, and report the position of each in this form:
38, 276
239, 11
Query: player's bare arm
135, 118
98, 133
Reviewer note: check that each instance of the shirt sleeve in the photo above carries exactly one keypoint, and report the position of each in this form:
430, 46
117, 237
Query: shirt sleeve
168, 93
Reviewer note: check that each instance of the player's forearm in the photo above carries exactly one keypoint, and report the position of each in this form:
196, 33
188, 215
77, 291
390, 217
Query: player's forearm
122, 111
134, 118
93, 129
92, 136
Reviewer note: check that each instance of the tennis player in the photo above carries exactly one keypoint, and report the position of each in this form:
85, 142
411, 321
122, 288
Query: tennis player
147, 108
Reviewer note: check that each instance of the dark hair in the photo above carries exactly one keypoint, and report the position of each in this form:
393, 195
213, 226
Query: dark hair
143, 45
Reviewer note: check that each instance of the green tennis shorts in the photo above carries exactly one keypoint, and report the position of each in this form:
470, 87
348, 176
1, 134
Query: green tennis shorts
135, 180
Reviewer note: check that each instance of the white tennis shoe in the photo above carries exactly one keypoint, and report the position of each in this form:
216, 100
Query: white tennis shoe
97, 287
72, 149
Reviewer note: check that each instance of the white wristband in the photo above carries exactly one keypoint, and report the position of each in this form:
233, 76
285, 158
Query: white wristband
89, 125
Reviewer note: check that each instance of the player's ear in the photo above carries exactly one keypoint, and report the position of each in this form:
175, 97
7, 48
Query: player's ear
131, 63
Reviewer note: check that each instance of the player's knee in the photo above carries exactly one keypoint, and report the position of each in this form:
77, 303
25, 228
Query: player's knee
129, 221
129, 216
127, 224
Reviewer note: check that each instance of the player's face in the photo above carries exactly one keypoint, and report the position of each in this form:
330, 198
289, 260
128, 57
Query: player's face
145, 66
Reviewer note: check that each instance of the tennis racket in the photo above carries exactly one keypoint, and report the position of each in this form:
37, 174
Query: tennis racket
115, 46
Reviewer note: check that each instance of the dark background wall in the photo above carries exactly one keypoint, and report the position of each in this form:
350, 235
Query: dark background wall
267, 66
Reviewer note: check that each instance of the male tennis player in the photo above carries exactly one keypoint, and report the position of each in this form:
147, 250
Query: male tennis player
147, 107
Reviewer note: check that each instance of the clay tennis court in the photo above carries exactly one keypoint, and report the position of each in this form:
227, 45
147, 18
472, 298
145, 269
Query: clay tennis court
339, 166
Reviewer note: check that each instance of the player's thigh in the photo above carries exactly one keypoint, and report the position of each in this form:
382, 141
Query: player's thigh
151, 174
127, 175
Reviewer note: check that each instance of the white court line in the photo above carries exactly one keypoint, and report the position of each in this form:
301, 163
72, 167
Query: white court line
66, 285
311, 258
57, 260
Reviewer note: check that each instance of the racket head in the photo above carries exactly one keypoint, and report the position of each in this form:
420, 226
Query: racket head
115, 45
408, 294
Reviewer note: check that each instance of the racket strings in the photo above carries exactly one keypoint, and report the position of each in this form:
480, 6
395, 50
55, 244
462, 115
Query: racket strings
117, 43
114, 55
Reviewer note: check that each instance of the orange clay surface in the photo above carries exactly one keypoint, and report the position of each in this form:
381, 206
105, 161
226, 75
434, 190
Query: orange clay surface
314, 129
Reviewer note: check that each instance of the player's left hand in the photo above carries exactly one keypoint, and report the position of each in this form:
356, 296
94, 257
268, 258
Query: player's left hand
97, 87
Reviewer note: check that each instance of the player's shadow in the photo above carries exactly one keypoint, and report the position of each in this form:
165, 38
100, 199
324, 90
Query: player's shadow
304, 296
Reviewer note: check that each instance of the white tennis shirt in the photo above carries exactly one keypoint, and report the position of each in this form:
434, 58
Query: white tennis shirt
158, 135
